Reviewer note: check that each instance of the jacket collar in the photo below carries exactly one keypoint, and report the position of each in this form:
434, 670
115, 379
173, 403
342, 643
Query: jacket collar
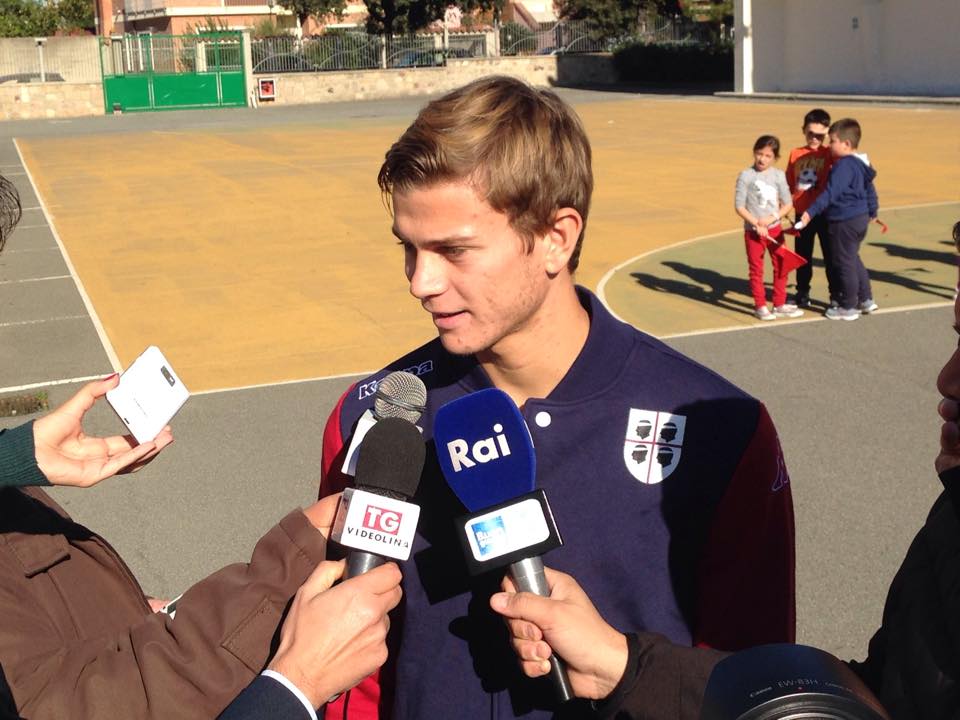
603, 356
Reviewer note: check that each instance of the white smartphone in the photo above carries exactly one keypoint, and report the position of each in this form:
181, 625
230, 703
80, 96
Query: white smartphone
148, 396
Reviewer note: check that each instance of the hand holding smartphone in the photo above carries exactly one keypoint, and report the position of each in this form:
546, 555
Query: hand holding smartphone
148, 396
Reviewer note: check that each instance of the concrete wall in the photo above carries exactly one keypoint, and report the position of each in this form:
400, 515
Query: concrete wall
65, 59
54, 100
22, 101
876, 47
546, 70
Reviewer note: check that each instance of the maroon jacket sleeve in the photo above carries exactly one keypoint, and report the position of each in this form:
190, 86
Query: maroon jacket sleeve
747, 594
362, 702
332, 480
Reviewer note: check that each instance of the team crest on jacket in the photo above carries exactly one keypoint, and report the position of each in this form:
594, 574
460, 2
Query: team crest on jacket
652, 448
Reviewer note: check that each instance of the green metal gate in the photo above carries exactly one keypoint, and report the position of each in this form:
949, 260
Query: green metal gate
171, 72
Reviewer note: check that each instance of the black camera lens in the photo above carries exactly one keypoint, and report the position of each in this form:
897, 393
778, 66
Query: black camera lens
787, 682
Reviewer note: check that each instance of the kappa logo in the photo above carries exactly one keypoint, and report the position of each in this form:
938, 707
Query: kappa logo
369, 389
652, 447
782, 479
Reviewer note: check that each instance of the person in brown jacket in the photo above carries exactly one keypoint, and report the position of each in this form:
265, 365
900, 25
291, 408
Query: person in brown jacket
79, 638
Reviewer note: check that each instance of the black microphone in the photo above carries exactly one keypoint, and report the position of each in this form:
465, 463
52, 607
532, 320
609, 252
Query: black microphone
374, 518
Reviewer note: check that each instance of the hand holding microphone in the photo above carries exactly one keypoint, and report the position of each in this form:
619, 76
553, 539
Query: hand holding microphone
566, 623
335, 635
487, 458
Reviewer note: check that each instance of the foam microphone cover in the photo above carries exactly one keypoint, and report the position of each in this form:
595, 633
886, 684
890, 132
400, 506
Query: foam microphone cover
391, 459
484, 448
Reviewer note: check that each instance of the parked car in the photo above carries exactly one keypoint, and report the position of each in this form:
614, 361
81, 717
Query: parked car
417, 58
285, 62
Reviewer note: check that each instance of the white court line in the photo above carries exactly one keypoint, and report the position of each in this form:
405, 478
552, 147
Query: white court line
601, 286
88, 378
49, 383
30, 227
30, 280
104, 340
283, 382
19, 323
44, 248
710, 331
798, 321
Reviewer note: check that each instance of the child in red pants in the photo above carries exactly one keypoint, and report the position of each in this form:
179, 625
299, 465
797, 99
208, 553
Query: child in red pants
762, 198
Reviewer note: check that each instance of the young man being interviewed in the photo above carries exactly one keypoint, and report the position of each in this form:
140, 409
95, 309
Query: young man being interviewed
667, 483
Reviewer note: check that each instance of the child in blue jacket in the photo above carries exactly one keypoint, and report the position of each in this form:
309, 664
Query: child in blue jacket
849, 203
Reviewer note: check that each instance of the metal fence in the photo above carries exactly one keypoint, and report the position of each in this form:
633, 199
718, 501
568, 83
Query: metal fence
356, 50
133, 54
359, 51
678, 28
77, 59
553, 39
54, 59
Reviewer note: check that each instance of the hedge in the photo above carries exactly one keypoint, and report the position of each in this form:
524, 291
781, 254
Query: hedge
637, 61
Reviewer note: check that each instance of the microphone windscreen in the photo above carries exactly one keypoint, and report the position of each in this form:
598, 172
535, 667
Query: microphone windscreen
484, 449
400, 394
391, 459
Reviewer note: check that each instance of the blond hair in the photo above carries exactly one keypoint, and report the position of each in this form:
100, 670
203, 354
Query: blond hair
524, 151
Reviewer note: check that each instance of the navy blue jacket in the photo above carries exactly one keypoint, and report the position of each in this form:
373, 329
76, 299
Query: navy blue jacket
265, 699
849, 192
704, 556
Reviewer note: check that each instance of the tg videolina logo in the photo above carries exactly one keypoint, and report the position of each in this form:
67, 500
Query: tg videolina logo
381, 525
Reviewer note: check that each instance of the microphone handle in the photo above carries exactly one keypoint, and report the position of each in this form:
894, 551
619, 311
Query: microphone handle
528, 576
359, 562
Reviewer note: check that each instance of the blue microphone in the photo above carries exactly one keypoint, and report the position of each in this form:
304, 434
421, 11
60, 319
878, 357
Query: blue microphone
486, 454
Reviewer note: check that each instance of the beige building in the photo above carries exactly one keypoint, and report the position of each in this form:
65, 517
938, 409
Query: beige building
176, 17
871, 47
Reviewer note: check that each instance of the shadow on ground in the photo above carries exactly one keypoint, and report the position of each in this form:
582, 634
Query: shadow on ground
703, 285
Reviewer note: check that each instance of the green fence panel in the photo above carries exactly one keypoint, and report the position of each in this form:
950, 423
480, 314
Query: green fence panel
185, 91
127, 93
234, 89
167, 72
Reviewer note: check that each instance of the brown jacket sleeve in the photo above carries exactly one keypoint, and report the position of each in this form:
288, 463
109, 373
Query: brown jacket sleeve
78, 639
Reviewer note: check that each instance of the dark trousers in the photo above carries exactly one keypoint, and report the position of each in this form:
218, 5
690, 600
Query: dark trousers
803, 244
852, 277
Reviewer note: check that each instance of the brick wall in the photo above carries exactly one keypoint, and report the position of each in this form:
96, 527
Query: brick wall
21, 101
547, 70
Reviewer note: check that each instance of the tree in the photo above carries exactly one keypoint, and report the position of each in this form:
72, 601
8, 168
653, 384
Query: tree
712, 13
394, 17
708, 11
615, 18
304, 9
75, 15
26, 18
31, 18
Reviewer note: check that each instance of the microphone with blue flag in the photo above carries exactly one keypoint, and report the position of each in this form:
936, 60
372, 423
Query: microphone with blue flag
486, 454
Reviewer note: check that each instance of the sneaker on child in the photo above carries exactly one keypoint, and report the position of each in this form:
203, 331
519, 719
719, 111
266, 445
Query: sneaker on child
839, 313
868, 306
764, 313
787, 310
803, 301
